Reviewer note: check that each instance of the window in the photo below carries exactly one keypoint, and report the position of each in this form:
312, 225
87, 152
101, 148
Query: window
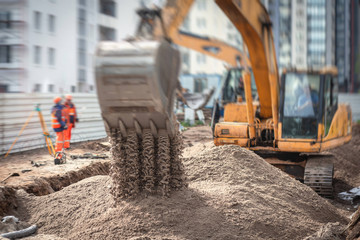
186, 59
37, 88
301, 106
82, 14
5, 18
200, 58
82, 44
37, 20
107, 34
201, 22
51, 56
37, 54
4, 88
200, 85
108, 7
82, 58
201, 4
5, 54
51, 22
82, 75
82, 28
51, 88
91, 87
73, 89
82, 2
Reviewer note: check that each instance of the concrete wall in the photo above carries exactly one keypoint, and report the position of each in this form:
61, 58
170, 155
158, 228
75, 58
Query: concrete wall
15, 109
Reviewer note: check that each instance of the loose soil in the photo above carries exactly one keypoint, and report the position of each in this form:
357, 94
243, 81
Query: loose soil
347, 164
232, 194
39, 174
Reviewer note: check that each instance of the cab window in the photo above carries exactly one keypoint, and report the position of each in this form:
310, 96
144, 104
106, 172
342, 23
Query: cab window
301, 105
331, 100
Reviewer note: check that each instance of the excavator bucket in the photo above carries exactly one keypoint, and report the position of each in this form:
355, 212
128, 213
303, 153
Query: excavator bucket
136, 84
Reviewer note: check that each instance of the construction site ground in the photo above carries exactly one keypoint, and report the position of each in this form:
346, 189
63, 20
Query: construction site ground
232, 194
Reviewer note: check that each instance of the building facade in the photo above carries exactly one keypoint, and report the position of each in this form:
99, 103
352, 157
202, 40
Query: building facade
312, 33
49, 45
343, 43
354, 85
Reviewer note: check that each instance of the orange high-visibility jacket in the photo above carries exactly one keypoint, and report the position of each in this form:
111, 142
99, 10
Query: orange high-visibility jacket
70, 112
58, 118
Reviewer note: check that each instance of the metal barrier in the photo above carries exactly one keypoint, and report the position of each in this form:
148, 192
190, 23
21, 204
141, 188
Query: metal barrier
16, 107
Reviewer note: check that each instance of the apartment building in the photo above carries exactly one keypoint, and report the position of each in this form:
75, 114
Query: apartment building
49, 45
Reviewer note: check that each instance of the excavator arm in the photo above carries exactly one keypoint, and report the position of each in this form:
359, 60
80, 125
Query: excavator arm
253, 22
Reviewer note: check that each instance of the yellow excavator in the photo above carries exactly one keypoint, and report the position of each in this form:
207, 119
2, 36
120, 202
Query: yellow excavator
299, 113
136, 82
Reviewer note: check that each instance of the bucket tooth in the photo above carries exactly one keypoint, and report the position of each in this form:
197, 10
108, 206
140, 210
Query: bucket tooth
138, 129
153, 129
122, 128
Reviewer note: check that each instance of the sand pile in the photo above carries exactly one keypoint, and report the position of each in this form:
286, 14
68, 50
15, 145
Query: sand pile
232, 194
347, 163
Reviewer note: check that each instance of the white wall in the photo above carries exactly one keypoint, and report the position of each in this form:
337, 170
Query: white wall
63, 73
127, 18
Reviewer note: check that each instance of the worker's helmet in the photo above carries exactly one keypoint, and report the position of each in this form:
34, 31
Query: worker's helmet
57, 99
68, 97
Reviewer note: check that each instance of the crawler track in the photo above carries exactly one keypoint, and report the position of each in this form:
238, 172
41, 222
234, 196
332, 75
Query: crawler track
319, 175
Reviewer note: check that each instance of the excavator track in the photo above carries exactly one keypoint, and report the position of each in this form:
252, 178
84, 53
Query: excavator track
318, 175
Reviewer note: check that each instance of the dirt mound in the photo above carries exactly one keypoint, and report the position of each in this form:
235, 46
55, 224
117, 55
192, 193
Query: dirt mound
8, 200
199, 134
46, 185
232, 194
330, 231
347, 163
98, 145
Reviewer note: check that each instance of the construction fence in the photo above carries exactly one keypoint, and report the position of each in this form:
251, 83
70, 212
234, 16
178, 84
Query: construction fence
15, 108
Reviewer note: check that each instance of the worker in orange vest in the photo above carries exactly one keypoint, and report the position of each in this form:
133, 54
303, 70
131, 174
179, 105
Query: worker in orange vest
71, 117
58, 123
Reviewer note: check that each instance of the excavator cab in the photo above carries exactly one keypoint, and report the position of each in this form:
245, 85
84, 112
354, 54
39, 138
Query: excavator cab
300, 110
231, 90
310, 112
232, 86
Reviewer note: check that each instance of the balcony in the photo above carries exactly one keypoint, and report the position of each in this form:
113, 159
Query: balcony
11, 37
11, 66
